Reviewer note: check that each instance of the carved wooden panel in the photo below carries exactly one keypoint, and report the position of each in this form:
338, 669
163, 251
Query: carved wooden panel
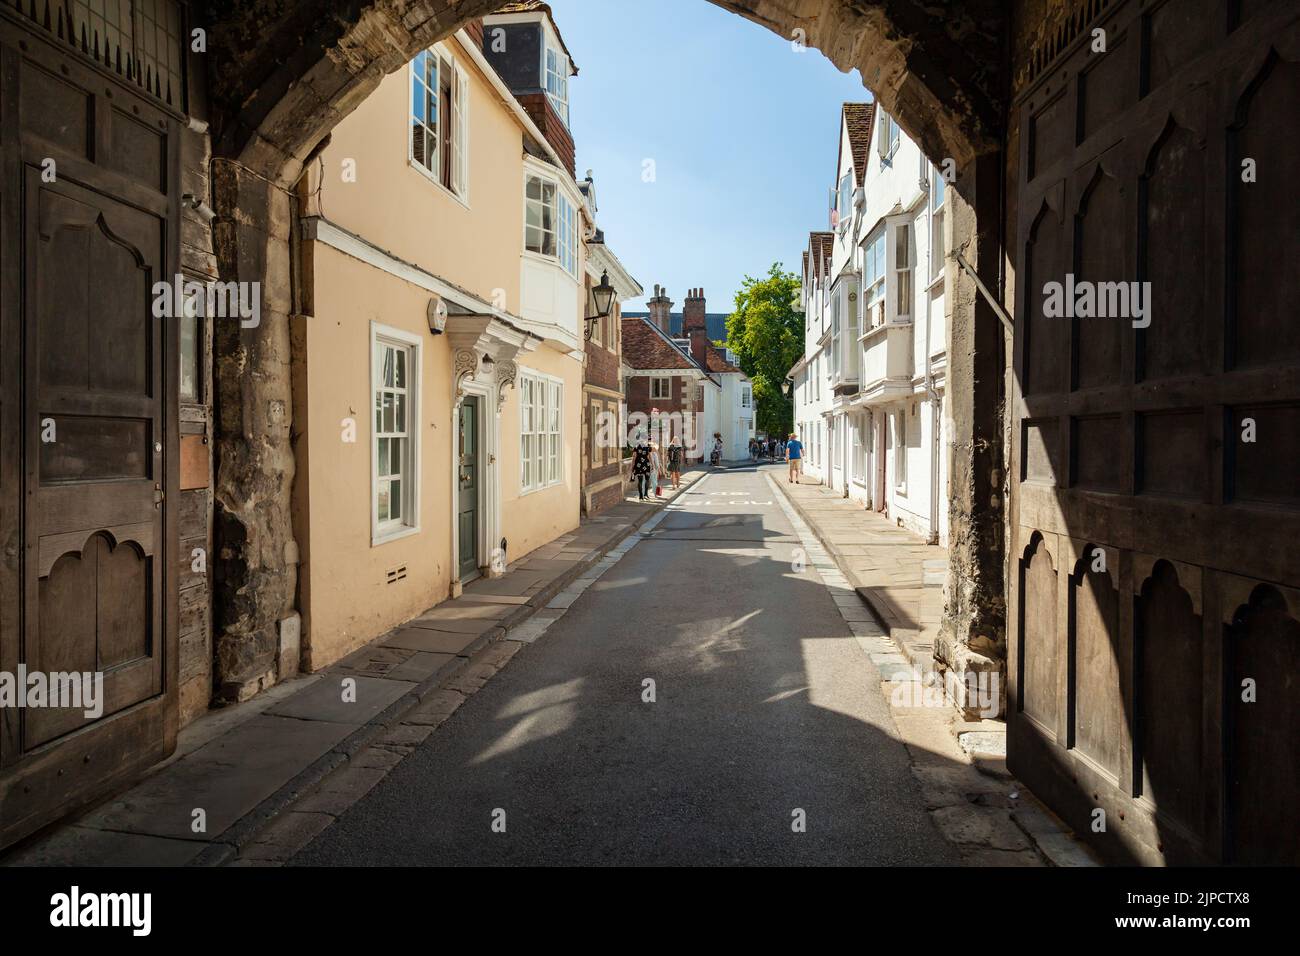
1097, 712
1171, 210
1176, 32
1172, 454
1101, 229
1263, 290
1168, 729
1039, 652
1045, 336
1264, 454
1263, 731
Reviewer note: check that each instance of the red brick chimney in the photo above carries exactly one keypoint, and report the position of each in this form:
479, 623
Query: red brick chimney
694, 327
661, 308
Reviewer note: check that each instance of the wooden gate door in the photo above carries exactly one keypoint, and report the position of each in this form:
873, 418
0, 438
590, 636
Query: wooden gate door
89, 430
1154, 643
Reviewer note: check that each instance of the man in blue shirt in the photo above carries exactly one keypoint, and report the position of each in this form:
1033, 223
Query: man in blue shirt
794, 455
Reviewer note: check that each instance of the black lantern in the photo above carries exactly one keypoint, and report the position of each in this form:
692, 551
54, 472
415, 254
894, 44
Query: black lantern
786, 386
602, 301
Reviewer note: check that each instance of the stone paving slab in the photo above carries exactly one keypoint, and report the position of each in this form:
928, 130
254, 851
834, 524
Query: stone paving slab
226, 779
85, 846
326, 700
432, 641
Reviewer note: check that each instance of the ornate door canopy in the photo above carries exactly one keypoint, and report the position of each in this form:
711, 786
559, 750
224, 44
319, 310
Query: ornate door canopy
485, 348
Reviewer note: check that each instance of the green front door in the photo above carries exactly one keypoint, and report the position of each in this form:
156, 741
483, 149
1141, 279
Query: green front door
467, 489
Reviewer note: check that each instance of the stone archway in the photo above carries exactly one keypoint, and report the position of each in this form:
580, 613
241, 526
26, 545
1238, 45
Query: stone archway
287, 74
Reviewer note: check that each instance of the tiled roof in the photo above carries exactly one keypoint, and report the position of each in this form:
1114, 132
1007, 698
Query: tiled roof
645, 347
717, 360
858, 118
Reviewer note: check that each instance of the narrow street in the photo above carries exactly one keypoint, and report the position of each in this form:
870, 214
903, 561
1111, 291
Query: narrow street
764, 704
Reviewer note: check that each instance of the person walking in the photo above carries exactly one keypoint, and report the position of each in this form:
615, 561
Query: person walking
640, 469
794, 455
675, 455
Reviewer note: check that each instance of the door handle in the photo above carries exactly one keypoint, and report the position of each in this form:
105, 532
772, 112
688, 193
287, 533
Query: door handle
158, 497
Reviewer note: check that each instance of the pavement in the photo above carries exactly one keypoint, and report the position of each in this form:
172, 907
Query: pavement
699, 697
960, 763
895, 571
237, 770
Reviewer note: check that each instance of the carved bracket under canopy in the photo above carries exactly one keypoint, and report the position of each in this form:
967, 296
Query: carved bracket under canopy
507, 372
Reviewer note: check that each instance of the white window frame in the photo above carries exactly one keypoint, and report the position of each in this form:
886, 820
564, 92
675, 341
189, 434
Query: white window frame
541, 449
458, 187
559, 95
873, 277
661, 388
564, 216
844, 200
938, 205
746, 396
900, 450
383, 336
902, 252
835, 333
857, 464
887, 140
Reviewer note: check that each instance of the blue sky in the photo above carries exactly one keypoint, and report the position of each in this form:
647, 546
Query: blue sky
742, 131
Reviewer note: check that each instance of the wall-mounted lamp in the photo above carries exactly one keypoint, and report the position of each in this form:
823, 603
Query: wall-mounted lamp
602, 302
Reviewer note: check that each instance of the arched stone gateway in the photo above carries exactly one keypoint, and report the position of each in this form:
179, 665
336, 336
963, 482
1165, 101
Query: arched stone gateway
1115, 495
286, 76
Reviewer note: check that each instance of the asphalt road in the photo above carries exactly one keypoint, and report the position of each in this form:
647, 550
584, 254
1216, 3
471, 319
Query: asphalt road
764, 706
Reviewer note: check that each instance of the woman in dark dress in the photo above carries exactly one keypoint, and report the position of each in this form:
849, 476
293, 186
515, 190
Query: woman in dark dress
675, 455
641, 469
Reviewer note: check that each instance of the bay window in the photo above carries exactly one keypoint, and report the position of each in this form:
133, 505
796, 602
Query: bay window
835, 334
550, 223
873, 279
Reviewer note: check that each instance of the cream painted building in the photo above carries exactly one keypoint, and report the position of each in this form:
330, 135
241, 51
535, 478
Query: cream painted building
438, 353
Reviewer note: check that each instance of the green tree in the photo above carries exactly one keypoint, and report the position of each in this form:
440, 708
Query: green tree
766, 334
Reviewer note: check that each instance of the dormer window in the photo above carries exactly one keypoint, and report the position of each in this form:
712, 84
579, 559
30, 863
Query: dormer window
557, 81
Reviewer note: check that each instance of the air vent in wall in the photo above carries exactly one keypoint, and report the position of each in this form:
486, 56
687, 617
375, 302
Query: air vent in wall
397, 574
